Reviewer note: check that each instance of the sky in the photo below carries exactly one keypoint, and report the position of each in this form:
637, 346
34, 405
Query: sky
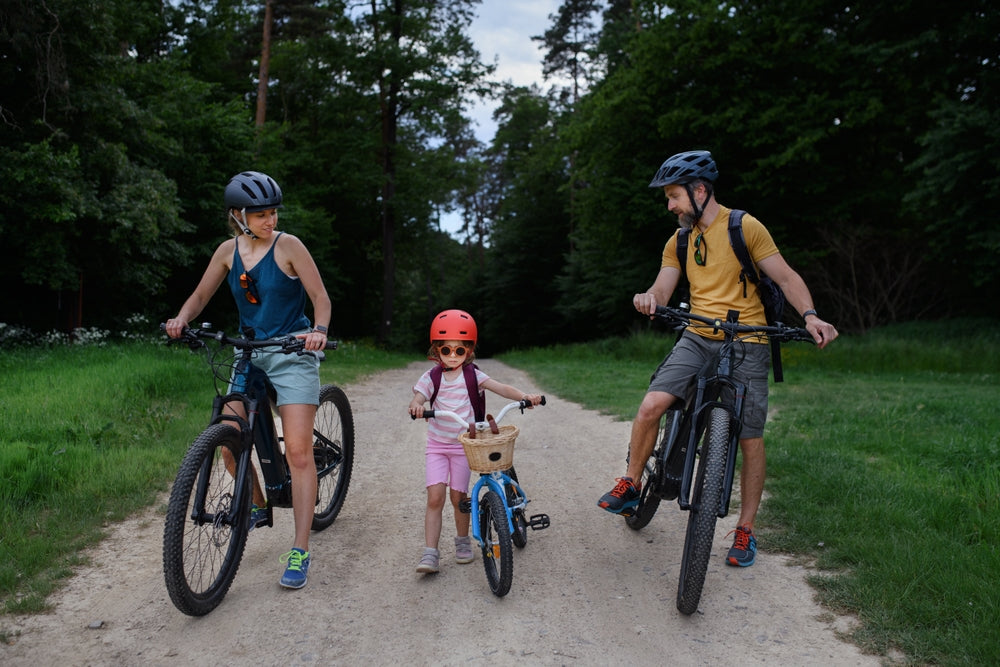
502, 32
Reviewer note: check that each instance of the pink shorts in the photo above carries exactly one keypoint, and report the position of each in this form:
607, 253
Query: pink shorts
446, 464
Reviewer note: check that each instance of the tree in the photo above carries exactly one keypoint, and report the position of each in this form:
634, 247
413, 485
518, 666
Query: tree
423, 66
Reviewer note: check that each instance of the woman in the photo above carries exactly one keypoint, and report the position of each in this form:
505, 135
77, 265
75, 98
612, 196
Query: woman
270, 274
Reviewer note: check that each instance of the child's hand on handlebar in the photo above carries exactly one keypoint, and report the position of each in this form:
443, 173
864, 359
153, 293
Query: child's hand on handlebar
534, 399
416, 408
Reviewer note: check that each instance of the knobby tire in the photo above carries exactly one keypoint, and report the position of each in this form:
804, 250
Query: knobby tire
498, 554
203, 545
707, 497
333, 450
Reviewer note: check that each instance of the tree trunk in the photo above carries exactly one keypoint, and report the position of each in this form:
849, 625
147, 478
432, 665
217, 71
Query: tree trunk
389, 108
265, 63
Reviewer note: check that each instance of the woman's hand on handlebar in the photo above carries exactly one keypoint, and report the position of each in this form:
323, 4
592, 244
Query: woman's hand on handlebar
314, 340
175, 327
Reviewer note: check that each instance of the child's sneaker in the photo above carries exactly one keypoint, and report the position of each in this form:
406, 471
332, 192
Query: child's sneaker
429, 561
463, 550
621, 499
298, 567
744, 549
258, 516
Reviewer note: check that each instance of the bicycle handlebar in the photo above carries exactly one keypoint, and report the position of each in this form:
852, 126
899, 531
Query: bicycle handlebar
289, 344
448, 414
779, 331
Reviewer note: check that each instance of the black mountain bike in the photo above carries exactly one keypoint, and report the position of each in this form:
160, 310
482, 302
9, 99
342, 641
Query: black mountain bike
208, 515
695, 455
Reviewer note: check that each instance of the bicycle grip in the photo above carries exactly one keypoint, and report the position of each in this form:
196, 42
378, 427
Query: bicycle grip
428, 414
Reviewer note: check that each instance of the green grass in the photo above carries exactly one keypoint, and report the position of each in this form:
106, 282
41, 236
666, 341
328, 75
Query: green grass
883, 471
90, 435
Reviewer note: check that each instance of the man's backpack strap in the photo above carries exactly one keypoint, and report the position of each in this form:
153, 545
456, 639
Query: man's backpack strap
476, 397
739, 244
749, 272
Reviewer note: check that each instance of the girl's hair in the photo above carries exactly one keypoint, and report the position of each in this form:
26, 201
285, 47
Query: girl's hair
470, 356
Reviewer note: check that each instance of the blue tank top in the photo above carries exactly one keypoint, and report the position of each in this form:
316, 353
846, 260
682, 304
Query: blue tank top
281, 299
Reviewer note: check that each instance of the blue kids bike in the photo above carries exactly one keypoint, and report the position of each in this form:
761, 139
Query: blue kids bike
497, 502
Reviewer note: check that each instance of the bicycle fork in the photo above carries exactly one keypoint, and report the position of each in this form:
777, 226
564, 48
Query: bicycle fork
471, 505
697, 431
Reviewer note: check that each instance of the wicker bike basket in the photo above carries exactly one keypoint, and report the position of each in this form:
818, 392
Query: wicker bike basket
490, 452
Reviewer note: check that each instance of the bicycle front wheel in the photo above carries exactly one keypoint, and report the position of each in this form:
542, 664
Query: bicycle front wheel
498, 554
707, 497
333, 449
206, 526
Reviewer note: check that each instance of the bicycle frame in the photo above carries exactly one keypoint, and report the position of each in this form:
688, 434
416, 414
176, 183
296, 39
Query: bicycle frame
678, 463
259, 432
497, 481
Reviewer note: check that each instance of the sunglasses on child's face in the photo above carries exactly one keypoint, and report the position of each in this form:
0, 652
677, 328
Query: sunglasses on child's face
446, 351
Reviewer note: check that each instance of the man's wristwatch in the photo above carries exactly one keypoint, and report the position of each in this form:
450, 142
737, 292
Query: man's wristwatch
320, 328
808, 313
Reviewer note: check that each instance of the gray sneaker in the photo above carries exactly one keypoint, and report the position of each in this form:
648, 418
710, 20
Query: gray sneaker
429, 561
463, 550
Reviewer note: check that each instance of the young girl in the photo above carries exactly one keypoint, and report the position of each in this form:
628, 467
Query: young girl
453, 339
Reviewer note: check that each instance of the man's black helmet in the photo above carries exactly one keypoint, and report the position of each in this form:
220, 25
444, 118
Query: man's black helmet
252, 191
684, 168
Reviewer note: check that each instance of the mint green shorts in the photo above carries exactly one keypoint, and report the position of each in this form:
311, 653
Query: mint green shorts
295, 378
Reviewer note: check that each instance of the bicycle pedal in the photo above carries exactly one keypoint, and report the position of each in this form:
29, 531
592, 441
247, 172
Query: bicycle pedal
539, 521
465, 506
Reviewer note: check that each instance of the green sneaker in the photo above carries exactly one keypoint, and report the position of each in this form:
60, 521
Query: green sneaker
298, 567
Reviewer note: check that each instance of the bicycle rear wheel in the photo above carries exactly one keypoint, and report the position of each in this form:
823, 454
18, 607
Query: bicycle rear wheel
649, 501
498, 554
707, 497
333, 449
205, 530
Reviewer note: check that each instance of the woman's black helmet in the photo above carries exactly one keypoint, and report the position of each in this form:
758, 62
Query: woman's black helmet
684, 168
252, 191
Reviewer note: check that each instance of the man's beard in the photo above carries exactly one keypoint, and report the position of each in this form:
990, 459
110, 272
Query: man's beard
686, 220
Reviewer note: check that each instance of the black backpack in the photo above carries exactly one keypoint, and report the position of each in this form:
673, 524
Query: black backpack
476, 396
770, 294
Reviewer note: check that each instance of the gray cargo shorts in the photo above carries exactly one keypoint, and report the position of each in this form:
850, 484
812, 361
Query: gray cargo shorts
678, 370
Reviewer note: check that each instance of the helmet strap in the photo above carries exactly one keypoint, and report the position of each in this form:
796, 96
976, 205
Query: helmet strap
243, 223
698, 210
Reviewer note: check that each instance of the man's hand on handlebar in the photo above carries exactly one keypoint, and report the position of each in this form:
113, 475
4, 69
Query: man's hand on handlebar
822, 332
645, 303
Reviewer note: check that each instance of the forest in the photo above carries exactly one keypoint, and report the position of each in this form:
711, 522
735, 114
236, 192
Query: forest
865, 136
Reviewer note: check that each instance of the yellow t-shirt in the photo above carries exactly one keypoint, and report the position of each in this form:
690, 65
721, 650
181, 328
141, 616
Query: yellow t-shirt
715, 287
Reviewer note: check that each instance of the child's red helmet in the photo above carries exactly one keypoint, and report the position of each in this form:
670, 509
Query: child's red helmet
454, 325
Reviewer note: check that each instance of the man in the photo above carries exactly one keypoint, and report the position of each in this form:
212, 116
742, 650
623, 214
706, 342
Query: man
713, 272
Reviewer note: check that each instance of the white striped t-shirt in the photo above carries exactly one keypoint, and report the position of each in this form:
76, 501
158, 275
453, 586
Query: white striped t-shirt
452, 395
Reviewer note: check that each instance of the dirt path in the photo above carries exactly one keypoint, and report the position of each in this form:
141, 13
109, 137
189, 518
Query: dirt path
587, 591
